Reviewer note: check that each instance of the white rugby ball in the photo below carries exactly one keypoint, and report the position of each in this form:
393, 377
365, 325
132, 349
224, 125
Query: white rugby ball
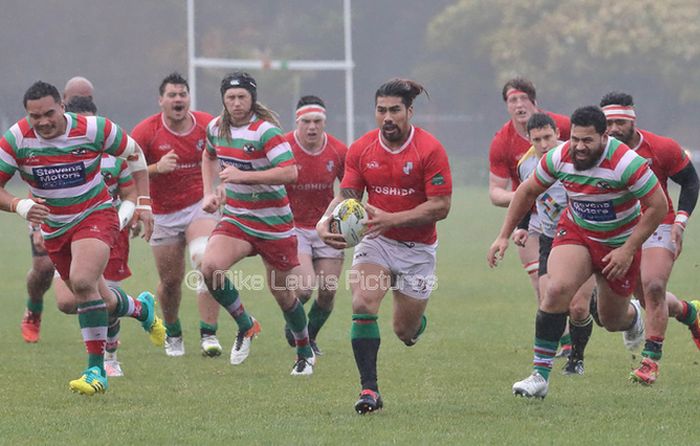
348, 219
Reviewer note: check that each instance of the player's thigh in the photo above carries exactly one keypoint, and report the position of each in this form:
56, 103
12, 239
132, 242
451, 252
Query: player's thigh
369, 283
328, 273
407, 313
568, 267
222, 252
305, 277
201, 227
612, 307
88, 260
170, 260
282, 285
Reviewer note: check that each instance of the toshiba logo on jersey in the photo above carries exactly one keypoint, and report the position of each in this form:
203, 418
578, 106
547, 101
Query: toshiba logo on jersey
393, 191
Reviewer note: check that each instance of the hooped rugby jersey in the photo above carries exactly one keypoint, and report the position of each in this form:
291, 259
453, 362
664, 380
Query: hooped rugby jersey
65, 170
259, 210
116, 175
310, 195
171, 192
400, 180
603, 200
666, 158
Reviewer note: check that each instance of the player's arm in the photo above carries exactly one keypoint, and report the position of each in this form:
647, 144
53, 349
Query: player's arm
128, 196
433, 209
212, 200
523, 200
499, 191
279, 175
687, 178
619, 260
32, 210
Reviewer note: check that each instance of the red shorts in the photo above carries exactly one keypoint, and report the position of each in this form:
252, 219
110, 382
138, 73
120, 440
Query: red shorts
281, 254
101, 225
118, 265
568, 233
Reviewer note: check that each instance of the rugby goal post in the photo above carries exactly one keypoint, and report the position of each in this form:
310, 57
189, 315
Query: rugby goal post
346, 65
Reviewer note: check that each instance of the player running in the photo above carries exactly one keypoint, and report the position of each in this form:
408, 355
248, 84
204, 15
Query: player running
409, 186
668, 161
247, 152
320, 160
58, 155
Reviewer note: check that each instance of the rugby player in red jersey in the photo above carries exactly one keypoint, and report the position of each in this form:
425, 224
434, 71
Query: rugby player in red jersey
668, 161
320, 161
406, 174
508, 145
173, 142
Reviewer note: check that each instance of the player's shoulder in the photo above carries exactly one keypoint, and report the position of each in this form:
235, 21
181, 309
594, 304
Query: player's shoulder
151, 123
335, 144
424, 137
201, 118
659, 141
365, 142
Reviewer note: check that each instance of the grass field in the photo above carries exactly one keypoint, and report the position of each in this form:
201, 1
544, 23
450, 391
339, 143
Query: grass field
453, 387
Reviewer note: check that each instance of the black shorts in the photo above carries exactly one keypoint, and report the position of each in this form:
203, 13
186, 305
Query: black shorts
545, 249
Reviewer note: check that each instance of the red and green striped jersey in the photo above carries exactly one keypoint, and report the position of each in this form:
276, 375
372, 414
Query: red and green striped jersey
603, 200
116, 175
65, 170
257, 209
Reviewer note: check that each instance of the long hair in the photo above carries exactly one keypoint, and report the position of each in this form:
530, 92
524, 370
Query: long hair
405, 89
261, 112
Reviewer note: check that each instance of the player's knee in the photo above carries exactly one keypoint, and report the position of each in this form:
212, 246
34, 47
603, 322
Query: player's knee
655, 290
83, 287
404, 333
326, 299
303, 295
578, 312
66, 307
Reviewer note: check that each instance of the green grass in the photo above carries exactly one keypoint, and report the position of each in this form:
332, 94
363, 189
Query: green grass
451, 388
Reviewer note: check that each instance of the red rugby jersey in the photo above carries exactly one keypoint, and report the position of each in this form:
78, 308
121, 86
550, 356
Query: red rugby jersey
310, 195
400, 180
182, 187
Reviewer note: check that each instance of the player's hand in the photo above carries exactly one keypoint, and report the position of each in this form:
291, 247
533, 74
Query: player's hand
231, 174
677, 239
221, 193
331, 239
378, 221
167, 163
617, 262
520, 237
135, 227
497, 251
145, 217
211, 202
38, 212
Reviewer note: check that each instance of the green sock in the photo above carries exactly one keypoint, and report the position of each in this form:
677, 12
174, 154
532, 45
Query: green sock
317, 317
565, 340
227, 296
691, 314
173, 330
207, 329
92, 317
364, 336
35, 307
653, 348
296, 321
544, 357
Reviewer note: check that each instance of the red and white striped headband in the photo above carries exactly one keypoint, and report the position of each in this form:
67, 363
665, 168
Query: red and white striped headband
614, 111
311, 111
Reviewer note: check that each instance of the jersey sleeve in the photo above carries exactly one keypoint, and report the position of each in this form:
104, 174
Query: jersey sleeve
125, 179
211, 140
352, 178
277, 149
546, 171
437, 176
498, 162
114, 138
143, 136
639, 178
8, 162
672, 157
342, 155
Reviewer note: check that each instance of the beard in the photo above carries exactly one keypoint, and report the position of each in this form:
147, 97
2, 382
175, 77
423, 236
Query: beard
624, 137
588, 163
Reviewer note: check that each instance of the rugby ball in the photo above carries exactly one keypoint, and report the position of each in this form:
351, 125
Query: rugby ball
348, 219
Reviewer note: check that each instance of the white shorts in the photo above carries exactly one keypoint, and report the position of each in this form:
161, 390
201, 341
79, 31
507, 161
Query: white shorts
661, 238
309, 243
534, 228
170, 228
412, 265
